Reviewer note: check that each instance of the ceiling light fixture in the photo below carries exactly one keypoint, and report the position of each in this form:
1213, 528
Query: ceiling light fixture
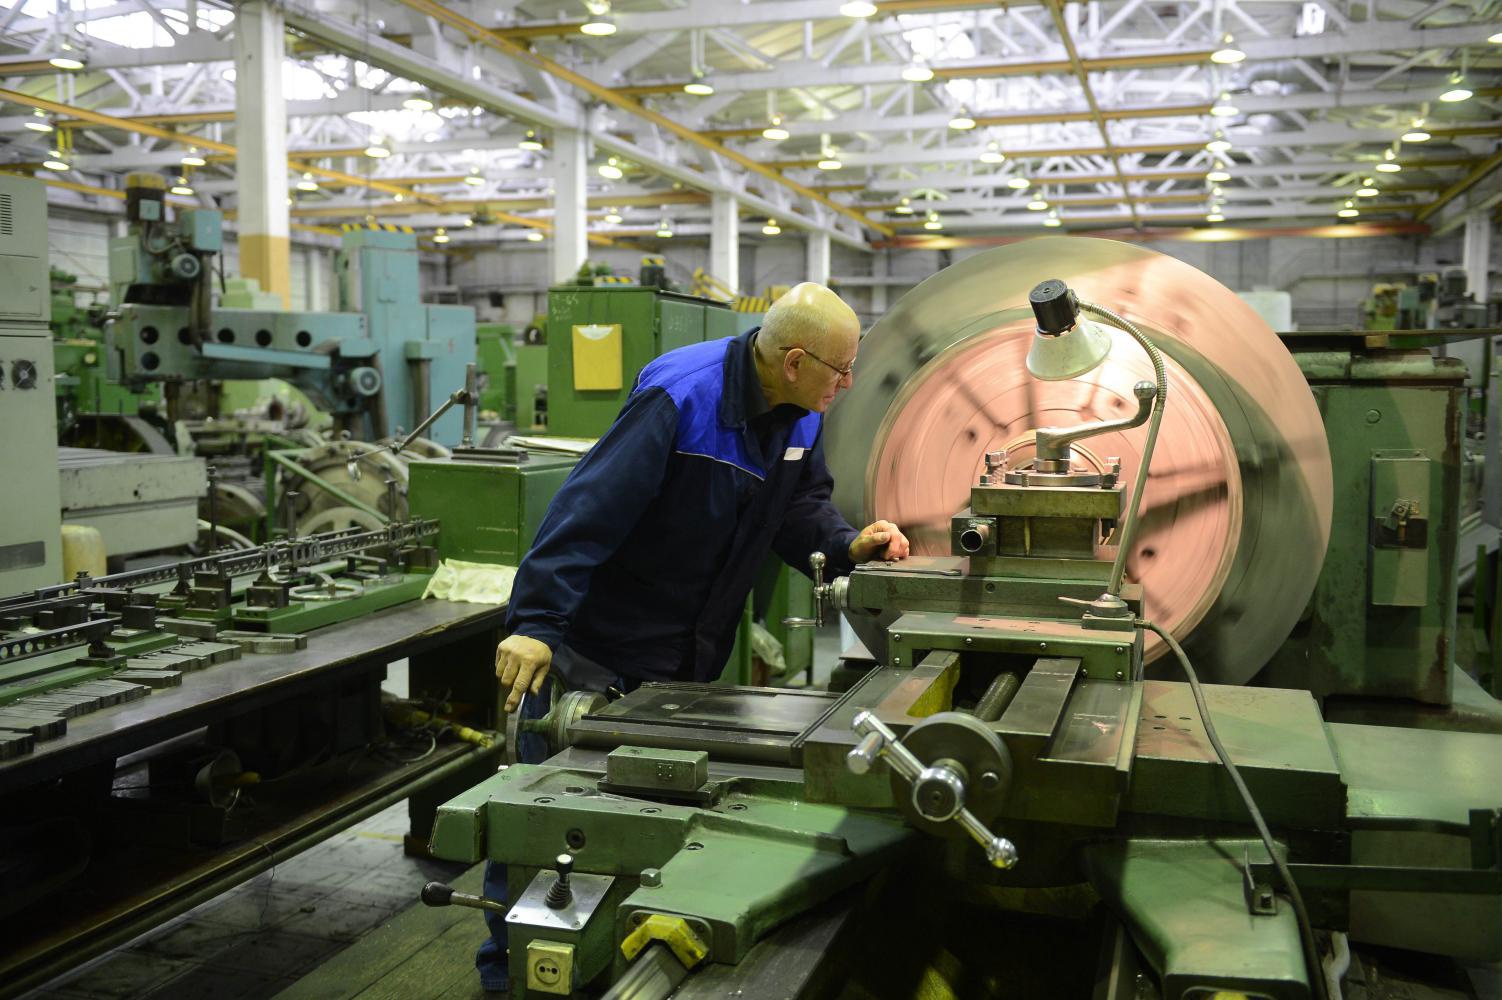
1219, 175
55, 161
1037, 204
192, 159
599, 23
962, 122
1388, 167
917, 73
698, 86
441, 236
474, 177
993, 154
182, 187
1348, 213
1219, 143
771, 228
1228, 54
307, 183
613, 217
1223, 108
1053, 221
775, 131
530, 142
378, 149
1018, 183
664, 230
67, 58
533, 236
904, 207
1416, 132
1458, 90
933, 222
38, 121
1366, 190
611, 170
418, 103
858, 8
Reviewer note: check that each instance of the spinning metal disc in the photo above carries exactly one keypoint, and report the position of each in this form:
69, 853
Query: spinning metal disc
1236, 513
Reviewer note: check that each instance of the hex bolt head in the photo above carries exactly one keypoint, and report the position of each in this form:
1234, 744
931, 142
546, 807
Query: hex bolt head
651, 878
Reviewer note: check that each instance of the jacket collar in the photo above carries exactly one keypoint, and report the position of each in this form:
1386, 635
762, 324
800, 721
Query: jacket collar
741, 397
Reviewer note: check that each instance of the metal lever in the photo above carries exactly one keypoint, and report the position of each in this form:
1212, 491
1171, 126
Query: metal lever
816, 562
938, 790
441, 894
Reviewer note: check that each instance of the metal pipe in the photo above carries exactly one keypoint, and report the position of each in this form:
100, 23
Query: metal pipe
654, 975
456, 397
1160, 376
998, 696
973, 538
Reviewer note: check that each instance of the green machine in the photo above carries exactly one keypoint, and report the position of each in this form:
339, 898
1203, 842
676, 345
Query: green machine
1030, 792
515, 369
80, 362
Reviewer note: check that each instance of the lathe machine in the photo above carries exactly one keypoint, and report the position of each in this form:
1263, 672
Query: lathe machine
1112, 481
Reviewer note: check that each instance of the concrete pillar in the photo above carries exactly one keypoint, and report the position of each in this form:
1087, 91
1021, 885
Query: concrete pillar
570, 226
725, 240
319, 272
261, 135
1477, 253
818, 256
879, 288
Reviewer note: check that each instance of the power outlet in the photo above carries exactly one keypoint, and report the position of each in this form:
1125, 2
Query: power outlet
550, 967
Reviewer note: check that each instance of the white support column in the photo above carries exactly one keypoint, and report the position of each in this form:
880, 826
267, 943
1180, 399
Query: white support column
879, 288
261, 135
725, 239
570, 226
1477, 253
818, 256
319, 271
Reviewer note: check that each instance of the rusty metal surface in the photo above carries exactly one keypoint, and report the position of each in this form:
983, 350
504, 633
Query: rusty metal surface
1237, 508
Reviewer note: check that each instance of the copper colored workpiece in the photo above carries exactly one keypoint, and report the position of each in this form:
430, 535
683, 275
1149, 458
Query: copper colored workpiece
1236, 513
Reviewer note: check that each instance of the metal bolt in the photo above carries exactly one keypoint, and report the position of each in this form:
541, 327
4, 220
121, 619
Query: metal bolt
1120, 675
989, 780
969, 641
651, 878
896, 661
1042, 645
1372, 416
897, 637
1120, 650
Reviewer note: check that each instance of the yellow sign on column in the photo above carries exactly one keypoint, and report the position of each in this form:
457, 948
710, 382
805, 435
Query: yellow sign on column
597, 356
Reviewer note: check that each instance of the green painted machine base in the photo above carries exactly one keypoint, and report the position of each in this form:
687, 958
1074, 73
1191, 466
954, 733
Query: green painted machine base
305, 616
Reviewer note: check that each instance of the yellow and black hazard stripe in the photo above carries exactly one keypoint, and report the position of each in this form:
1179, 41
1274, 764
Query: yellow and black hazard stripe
750, 304
379, 227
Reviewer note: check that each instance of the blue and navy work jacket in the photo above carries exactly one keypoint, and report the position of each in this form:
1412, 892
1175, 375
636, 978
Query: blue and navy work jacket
646, 555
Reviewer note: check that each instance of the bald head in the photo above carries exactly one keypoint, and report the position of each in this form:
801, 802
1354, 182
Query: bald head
806, 345
809, 316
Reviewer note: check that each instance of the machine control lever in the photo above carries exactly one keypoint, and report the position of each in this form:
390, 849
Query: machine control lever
442, 894
938, 789
822, 593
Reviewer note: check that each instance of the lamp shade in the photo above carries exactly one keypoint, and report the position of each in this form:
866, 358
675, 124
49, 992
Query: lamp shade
1069, 354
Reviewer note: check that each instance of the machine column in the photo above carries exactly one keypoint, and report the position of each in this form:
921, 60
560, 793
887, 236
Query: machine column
261, 134
818, 257
1476, 254
725, 240
570, 227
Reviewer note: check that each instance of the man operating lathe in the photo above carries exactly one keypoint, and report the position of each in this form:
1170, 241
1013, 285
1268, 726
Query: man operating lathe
648, 551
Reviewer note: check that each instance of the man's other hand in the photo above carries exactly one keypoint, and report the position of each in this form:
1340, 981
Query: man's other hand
879, 540
522, 664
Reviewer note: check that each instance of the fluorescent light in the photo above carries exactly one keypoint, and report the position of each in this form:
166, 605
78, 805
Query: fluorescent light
1218, 176
1348, 213
192, 159
533, 236
38, 121
1018, 183
830, 163
613, 217
418, 103
1228, 54
1223, 108
307, 183
610, 171
858, 8
1215, 217
774, 132
771, 228
1389, 168
1037, 205
441, 236
917, 73
962, 122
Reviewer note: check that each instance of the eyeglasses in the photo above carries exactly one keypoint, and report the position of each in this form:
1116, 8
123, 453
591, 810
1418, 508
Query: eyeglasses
847, 372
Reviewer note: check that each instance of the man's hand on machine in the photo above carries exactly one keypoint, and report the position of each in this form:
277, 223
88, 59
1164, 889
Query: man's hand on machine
522, 664
879, 540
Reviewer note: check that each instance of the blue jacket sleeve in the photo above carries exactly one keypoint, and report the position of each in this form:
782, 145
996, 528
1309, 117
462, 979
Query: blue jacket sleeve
812, 522
591, 514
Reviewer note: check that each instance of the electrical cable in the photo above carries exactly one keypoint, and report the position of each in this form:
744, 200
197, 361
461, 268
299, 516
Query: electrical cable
1315, 966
